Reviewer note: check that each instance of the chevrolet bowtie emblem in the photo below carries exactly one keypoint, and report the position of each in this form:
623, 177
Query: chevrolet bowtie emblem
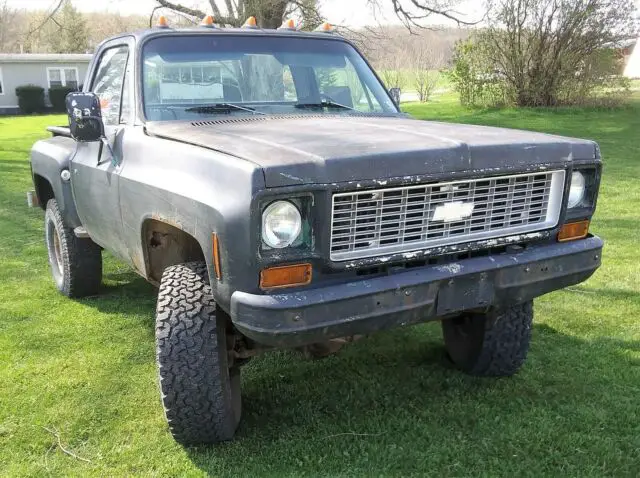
453, 211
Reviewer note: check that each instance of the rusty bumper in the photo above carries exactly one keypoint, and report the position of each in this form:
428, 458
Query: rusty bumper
413, 296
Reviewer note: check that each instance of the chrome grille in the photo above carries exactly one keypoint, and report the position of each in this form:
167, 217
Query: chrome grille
385, 221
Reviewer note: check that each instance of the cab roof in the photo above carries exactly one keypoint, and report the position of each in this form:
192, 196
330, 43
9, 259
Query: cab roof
142, 35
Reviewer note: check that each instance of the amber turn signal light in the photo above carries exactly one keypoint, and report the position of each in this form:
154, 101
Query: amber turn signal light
573, 231
216, 256
285, 276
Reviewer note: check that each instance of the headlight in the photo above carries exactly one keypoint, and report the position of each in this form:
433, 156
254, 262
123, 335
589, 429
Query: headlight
577, 189
281, 224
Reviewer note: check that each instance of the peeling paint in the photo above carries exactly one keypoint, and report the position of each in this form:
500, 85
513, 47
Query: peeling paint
453, 268
444, 250
291, 176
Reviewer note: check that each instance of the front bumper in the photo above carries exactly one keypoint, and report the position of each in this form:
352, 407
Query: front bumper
413, 296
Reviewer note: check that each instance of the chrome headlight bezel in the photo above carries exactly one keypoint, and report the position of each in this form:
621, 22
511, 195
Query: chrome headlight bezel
270, 238
586, 205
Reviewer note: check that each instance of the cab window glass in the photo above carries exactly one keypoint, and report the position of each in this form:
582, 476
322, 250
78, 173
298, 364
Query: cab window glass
108, 82
343, 85
125, 108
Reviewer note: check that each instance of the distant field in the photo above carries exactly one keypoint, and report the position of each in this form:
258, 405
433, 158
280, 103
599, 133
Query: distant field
386, 406
408, 80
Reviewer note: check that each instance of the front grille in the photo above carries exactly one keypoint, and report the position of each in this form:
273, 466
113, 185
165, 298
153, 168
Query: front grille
404, 219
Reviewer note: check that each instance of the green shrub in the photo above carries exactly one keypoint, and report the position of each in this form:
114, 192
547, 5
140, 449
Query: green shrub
474, 76
30, 98
57, 95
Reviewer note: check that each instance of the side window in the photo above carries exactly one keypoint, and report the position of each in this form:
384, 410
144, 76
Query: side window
290, 93
125, 109
343, 86
108, 81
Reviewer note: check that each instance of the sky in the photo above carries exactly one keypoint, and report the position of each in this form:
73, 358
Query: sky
353, 13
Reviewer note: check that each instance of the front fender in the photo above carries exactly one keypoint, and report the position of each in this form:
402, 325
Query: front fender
49, 158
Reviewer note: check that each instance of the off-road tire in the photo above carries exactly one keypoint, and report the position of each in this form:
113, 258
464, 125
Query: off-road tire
494, 344
76, 264
200, 393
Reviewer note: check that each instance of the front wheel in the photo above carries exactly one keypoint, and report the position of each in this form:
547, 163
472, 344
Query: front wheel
494, 344
76, 264
200, 387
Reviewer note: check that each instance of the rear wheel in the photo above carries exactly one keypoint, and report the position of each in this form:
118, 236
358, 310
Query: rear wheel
492, 344
200, 387
76, 264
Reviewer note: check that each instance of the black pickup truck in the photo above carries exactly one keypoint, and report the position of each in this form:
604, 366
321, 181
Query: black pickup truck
268, 183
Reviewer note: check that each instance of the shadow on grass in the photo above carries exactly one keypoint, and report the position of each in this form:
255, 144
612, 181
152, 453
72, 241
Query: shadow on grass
386, 403
394, 396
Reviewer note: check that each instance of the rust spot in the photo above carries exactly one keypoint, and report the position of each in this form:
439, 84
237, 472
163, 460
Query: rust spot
166, 245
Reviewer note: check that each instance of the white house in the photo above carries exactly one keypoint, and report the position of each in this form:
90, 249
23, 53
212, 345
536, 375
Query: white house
632, 69
45, 70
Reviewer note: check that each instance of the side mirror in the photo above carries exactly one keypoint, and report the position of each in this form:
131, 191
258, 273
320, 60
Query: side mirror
395, 95
85, 119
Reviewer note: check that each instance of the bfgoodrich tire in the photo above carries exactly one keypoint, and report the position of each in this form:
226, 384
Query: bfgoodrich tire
200, 392
494, 344
76, 264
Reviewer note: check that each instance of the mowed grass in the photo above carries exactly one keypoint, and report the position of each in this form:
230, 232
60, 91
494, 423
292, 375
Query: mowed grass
386, 406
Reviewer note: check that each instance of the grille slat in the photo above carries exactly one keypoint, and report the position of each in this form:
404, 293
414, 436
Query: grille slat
383, 221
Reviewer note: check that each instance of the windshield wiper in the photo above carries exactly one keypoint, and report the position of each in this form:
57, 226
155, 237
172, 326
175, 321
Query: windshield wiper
325, 104
222, 107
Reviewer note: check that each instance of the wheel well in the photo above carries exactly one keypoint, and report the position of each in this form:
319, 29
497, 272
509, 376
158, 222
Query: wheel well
44, 191
165, 245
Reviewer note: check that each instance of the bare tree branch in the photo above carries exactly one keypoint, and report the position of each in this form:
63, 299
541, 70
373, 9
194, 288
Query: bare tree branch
157, 7
412, 12
176, 7
47, 18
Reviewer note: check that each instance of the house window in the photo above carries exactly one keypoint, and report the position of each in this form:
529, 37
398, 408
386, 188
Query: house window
1, 83
63, 76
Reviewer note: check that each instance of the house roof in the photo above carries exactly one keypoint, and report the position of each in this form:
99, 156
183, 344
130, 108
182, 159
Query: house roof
44, 57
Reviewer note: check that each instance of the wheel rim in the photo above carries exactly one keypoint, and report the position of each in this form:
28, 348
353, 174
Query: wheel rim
54, 242
57, 249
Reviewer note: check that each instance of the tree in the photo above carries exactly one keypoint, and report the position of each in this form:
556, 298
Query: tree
271, 13
70, 33
61, 29
8, 27
550, 52
413, 13
426, 62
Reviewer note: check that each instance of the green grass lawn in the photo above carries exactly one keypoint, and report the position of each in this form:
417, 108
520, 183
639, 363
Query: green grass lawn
386, 406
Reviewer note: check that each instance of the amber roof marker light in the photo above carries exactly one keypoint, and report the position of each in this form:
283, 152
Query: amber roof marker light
251, 23
326, 27
162, 22
288, 25
208, 22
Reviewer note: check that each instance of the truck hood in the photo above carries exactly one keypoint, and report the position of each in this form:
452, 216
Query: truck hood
307, 149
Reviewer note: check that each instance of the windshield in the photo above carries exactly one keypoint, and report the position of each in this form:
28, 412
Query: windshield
206, 75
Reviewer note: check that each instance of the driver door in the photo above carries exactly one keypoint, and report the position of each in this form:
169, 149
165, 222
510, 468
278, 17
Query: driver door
95, 170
